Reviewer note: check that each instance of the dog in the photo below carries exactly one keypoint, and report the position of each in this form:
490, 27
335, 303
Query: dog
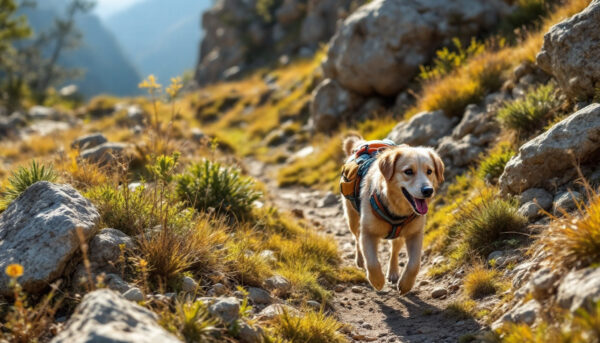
399, 184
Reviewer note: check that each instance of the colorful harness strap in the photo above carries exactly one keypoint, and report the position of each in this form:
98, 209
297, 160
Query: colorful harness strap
396, 222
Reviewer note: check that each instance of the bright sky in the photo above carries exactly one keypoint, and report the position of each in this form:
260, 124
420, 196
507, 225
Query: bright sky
105, 8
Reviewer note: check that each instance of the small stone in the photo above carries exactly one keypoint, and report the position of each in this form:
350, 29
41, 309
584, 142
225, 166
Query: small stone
134, 294
367, 326
543, 283
259, 296
250, 334
566, 201
278, 284
438, 292
268, 255
314, 304
274, 310
188, 284
89, 141
228, 309
198, 135
356, 289
361, 302
424, 283
329, 199
339, 288
217, 289
530, 210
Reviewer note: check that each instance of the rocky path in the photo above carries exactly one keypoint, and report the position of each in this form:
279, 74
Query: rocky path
383, 316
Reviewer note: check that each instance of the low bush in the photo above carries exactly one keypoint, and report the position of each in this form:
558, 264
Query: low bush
311, 327
210, 184
528, 114
24, 177
447, 60
481, 282
492, 166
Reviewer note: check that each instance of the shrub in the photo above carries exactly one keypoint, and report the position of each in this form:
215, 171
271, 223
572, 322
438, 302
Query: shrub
481, 282
312, 327
574, 239
209, 184
460, 309
525, 13
24, 177
528, 114
481, 224
492, 166
446, 61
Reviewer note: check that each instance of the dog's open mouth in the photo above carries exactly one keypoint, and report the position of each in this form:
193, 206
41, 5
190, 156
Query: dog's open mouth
419, 205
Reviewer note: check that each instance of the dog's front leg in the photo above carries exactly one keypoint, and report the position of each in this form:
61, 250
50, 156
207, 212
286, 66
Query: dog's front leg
413, 247
393, 272
369, 245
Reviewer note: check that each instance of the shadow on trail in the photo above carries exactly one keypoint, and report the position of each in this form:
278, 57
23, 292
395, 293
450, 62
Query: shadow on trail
418, 318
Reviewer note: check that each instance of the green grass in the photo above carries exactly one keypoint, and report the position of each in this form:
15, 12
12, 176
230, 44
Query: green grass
492, 166
528, 114
447, 60
311, 327
24, 177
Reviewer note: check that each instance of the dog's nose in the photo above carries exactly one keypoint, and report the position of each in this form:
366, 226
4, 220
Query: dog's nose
427, 191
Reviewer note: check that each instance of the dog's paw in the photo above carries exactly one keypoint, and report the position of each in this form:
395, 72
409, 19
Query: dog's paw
393, 277
377, 281
404, 287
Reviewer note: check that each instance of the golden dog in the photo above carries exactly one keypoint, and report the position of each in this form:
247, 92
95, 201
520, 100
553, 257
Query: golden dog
404, 179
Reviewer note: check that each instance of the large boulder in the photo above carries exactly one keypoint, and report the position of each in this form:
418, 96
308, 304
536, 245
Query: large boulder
570, 52
39, 231
332, 104
549, 155
580, 288
425, 128
380, 47
105, 316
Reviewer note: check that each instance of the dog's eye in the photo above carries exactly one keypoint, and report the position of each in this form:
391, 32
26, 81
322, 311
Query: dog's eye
429, 171
408, 172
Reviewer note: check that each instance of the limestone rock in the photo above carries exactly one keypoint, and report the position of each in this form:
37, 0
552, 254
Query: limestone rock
189, 285
569, 49
134, 294
580, 288
228, 309
278, 284
89, 141
550, 154
380, 46
539, 195
105, 153
524, 313
259, 296
331, 104
566, 201
274, 310
105, 249
425, 128
39, 231
104, 316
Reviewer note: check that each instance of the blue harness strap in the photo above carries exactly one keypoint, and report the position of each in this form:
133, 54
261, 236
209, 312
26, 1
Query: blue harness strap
396, 222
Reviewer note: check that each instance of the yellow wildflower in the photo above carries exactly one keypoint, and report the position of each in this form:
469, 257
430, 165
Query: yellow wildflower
175, 86
143, 263
14, 270
150, 83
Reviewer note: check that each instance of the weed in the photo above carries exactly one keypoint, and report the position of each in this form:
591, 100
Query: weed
492, 166
481, 282
24, 177
528, 114
192, 322
447, 60
460, 309
209, 184
312, 327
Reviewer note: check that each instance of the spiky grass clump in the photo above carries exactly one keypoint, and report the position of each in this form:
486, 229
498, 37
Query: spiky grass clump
210, 184
24, 177
311, 327
492, 166
462, 309
525, 115
484, 222
192, 322
574, 239
447, 60
481, 282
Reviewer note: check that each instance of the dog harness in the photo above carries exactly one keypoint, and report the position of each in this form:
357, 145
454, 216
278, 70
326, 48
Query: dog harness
356, 167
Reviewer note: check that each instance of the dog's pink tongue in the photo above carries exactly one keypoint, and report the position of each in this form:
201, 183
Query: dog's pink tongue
421, 205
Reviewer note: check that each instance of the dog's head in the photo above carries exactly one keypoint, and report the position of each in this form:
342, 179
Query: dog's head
414, 172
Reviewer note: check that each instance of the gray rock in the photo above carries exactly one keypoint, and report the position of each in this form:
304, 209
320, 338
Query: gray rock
105, 153
188, 284
329, 199
380, 47
567, 50
268, 255
278, 284
39, 231
543, 283
566, 201
331, 104
228, 309
217, 289
104, 316
315, 305
250, 334
10, 125
116, 283
539, 195
275, 310
43, 113
259, 296
425, 128
579, 289
530, 210
198, 135
552, 153
89, 141
134, 294
105, 249
135, 115
525, 313
438, 292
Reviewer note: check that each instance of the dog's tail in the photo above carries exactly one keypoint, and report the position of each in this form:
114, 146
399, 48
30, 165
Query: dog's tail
350, 142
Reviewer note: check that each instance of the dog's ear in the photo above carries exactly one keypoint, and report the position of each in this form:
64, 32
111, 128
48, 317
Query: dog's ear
387, 163
438, 166
350, 141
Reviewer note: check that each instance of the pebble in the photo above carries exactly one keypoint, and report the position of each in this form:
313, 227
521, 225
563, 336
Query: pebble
361, 302
356, 289
339, 288
438, 292
134, 294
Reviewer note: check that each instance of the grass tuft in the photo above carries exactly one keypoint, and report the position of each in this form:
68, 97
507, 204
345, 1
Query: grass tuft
311, 327
481, 282
492, 166
24, 177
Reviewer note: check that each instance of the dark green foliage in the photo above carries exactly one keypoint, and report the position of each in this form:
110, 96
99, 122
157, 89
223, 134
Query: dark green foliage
209, 184
530, 113
492, 166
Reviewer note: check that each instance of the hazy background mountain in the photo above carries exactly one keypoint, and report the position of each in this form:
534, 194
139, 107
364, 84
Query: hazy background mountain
107, 68
160, 37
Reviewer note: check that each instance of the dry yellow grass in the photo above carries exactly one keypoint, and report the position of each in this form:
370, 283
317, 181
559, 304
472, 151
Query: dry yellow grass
481, 282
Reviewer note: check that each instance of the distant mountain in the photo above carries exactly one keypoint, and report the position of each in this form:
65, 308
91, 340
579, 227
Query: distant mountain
107, 69
161, 37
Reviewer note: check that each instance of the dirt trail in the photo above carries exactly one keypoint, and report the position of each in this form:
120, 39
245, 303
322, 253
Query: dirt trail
383, 316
